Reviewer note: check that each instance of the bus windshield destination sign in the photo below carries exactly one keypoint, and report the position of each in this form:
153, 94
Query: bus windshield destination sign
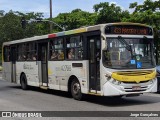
131, 30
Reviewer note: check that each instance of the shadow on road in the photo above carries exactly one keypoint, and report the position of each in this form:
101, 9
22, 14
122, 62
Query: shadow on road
124, 101
105, 101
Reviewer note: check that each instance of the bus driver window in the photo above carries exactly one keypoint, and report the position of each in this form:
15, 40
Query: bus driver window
114, 51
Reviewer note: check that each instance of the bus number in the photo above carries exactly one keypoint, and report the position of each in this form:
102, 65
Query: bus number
66, 68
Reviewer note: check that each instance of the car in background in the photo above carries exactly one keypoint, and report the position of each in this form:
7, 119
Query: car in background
158, 78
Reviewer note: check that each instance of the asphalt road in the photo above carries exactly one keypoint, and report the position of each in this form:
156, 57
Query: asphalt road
13, 98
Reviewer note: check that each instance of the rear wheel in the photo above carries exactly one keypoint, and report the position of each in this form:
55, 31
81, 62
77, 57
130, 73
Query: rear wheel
76, 90
24, 85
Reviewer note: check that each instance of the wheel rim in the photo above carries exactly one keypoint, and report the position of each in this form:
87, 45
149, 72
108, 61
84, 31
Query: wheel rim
76, 88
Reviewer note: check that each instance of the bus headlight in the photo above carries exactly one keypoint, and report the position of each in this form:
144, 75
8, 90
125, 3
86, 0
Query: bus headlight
152, 81
116, 82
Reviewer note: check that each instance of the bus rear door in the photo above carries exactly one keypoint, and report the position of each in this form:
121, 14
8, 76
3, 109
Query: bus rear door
43, 63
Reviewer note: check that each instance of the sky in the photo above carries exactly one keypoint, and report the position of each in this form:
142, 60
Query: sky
58, 6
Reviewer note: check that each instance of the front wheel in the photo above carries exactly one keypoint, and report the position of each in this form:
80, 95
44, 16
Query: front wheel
76, 90
24, 85
158, 85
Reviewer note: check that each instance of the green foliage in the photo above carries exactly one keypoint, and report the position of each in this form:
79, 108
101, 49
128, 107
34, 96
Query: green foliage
11, 29
1, 13
148, 13
108, 13
77, 18
147, 5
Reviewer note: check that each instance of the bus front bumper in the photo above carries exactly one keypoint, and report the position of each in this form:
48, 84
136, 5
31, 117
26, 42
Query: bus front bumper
110, 89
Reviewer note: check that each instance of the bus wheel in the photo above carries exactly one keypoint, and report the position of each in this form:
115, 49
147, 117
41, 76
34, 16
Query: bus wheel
158, 87
24, 85
76, 90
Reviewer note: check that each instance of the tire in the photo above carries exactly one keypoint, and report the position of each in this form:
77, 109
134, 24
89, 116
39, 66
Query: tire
24, 85
76, 90
158, 85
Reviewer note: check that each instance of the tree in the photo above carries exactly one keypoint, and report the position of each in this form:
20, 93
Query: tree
108, 13
147, 5
148, 13
11, 29
77, 18
1, 13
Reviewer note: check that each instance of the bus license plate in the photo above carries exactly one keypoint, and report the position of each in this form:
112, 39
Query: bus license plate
136, 87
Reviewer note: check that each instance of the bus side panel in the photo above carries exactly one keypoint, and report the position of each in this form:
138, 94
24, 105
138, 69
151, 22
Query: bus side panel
6, 75
59, 74
19, 70
53, 78
82, 73
31, 71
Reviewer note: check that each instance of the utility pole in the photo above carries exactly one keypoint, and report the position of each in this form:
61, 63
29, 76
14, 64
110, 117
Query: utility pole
50, 16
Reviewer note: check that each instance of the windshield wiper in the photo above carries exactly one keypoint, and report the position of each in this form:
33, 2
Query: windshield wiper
128, 47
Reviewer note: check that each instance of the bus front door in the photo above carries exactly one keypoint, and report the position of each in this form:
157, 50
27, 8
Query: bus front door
43, 51
94, 63
13, 62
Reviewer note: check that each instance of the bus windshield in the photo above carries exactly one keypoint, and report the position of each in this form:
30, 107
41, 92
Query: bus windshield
122, 53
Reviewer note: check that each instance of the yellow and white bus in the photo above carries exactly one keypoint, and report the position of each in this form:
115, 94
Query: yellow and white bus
114, 59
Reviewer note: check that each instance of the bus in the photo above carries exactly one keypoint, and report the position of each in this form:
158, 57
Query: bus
113, 59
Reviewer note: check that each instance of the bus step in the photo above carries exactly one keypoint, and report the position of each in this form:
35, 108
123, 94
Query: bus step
97, 94
94, 92
44, 87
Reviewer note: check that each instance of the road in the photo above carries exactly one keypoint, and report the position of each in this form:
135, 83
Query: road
13, 98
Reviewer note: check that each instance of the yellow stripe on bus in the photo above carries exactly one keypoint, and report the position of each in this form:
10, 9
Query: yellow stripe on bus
133, 78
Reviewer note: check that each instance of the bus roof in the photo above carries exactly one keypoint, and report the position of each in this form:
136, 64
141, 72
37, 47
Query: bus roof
69, 32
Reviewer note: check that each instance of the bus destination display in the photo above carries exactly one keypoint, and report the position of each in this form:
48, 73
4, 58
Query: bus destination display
131, 30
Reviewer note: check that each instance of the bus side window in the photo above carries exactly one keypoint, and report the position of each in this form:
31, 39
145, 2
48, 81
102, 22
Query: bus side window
56, 49
74, 47
60, 55
6, 54
34, 56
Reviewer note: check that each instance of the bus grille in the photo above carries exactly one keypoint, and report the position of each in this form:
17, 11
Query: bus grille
133, 82
129, 89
